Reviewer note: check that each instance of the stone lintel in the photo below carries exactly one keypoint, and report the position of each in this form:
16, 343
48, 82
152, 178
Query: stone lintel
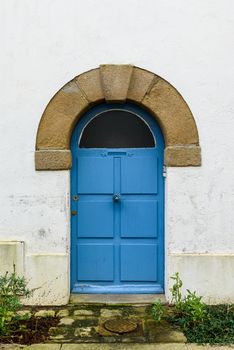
53, 160
182, 156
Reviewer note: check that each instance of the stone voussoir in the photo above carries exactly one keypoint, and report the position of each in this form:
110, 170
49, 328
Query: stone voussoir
90, 83
172, 113
60, 116
115, 81
141, 82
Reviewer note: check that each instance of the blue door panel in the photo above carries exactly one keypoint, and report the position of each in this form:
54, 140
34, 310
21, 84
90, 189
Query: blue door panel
95, 262
101, 224
145, 216
95, 175
139, 263
117, 245
139, 174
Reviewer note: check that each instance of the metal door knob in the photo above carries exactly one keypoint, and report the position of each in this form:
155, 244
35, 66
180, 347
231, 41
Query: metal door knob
116, 197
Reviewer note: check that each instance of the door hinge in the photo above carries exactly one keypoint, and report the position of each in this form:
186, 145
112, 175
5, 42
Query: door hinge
164, 171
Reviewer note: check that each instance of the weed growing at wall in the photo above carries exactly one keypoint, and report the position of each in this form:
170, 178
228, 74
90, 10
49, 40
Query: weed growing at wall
12, 289
200, 323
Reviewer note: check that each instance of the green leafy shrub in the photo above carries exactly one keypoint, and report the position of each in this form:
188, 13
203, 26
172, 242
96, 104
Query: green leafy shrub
200, 323
12, 289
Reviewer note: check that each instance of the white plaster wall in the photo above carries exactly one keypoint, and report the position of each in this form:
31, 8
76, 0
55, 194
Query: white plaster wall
44, 44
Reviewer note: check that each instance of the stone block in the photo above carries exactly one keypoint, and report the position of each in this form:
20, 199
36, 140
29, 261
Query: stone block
178, 156
24, 313
53, 160
172, 114
141, 81
65, 321
83, 313
45, 313
83, 332
163, 333
106, 313
90, 84
60, 116
115, 81
62, 313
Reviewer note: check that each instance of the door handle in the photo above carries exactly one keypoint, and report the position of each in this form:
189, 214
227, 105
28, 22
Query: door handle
116, 197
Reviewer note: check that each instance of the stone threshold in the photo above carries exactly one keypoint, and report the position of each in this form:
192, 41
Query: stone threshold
116, 298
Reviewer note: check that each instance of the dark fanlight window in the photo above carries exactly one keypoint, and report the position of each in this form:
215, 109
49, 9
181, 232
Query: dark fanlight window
117, 129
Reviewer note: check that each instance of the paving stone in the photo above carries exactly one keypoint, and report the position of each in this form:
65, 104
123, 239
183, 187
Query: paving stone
54, 331
163, 333
81, 317
66, 321
45, 313
83, 332
57, 337
106, 313
24, 313
83, 313
44, 347
62, 313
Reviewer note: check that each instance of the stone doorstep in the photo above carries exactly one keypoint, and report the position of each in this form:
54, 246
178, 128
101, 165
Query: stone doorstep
109, 299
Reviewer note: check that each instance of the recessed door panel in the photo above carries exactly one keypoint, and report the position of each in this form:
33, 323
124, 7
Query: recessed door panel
95, 262
95, 175
139, 174
139, 218
139, 263
95, 218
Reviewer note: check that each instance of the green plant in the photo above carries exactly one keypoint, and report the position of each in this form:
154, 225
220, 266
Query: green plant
201, 323
158, 311
176, 290
190, 307
12, 289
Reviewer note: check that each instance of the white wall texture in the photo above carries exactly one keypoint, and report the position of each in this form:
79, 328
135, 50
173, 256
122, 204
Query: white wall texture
44, 44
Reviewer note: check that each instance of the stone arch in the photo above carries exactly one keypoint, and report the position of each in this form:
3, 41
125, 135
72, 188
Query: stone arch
116, 83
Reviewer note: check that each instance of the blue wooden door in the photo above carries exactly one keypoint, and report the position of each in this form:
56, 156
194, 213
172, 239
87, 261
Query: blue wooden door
117, 203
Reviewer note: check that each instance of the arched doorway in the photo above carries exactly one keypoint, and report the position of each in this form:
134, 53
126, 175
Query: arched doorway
116, 84
117, 202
